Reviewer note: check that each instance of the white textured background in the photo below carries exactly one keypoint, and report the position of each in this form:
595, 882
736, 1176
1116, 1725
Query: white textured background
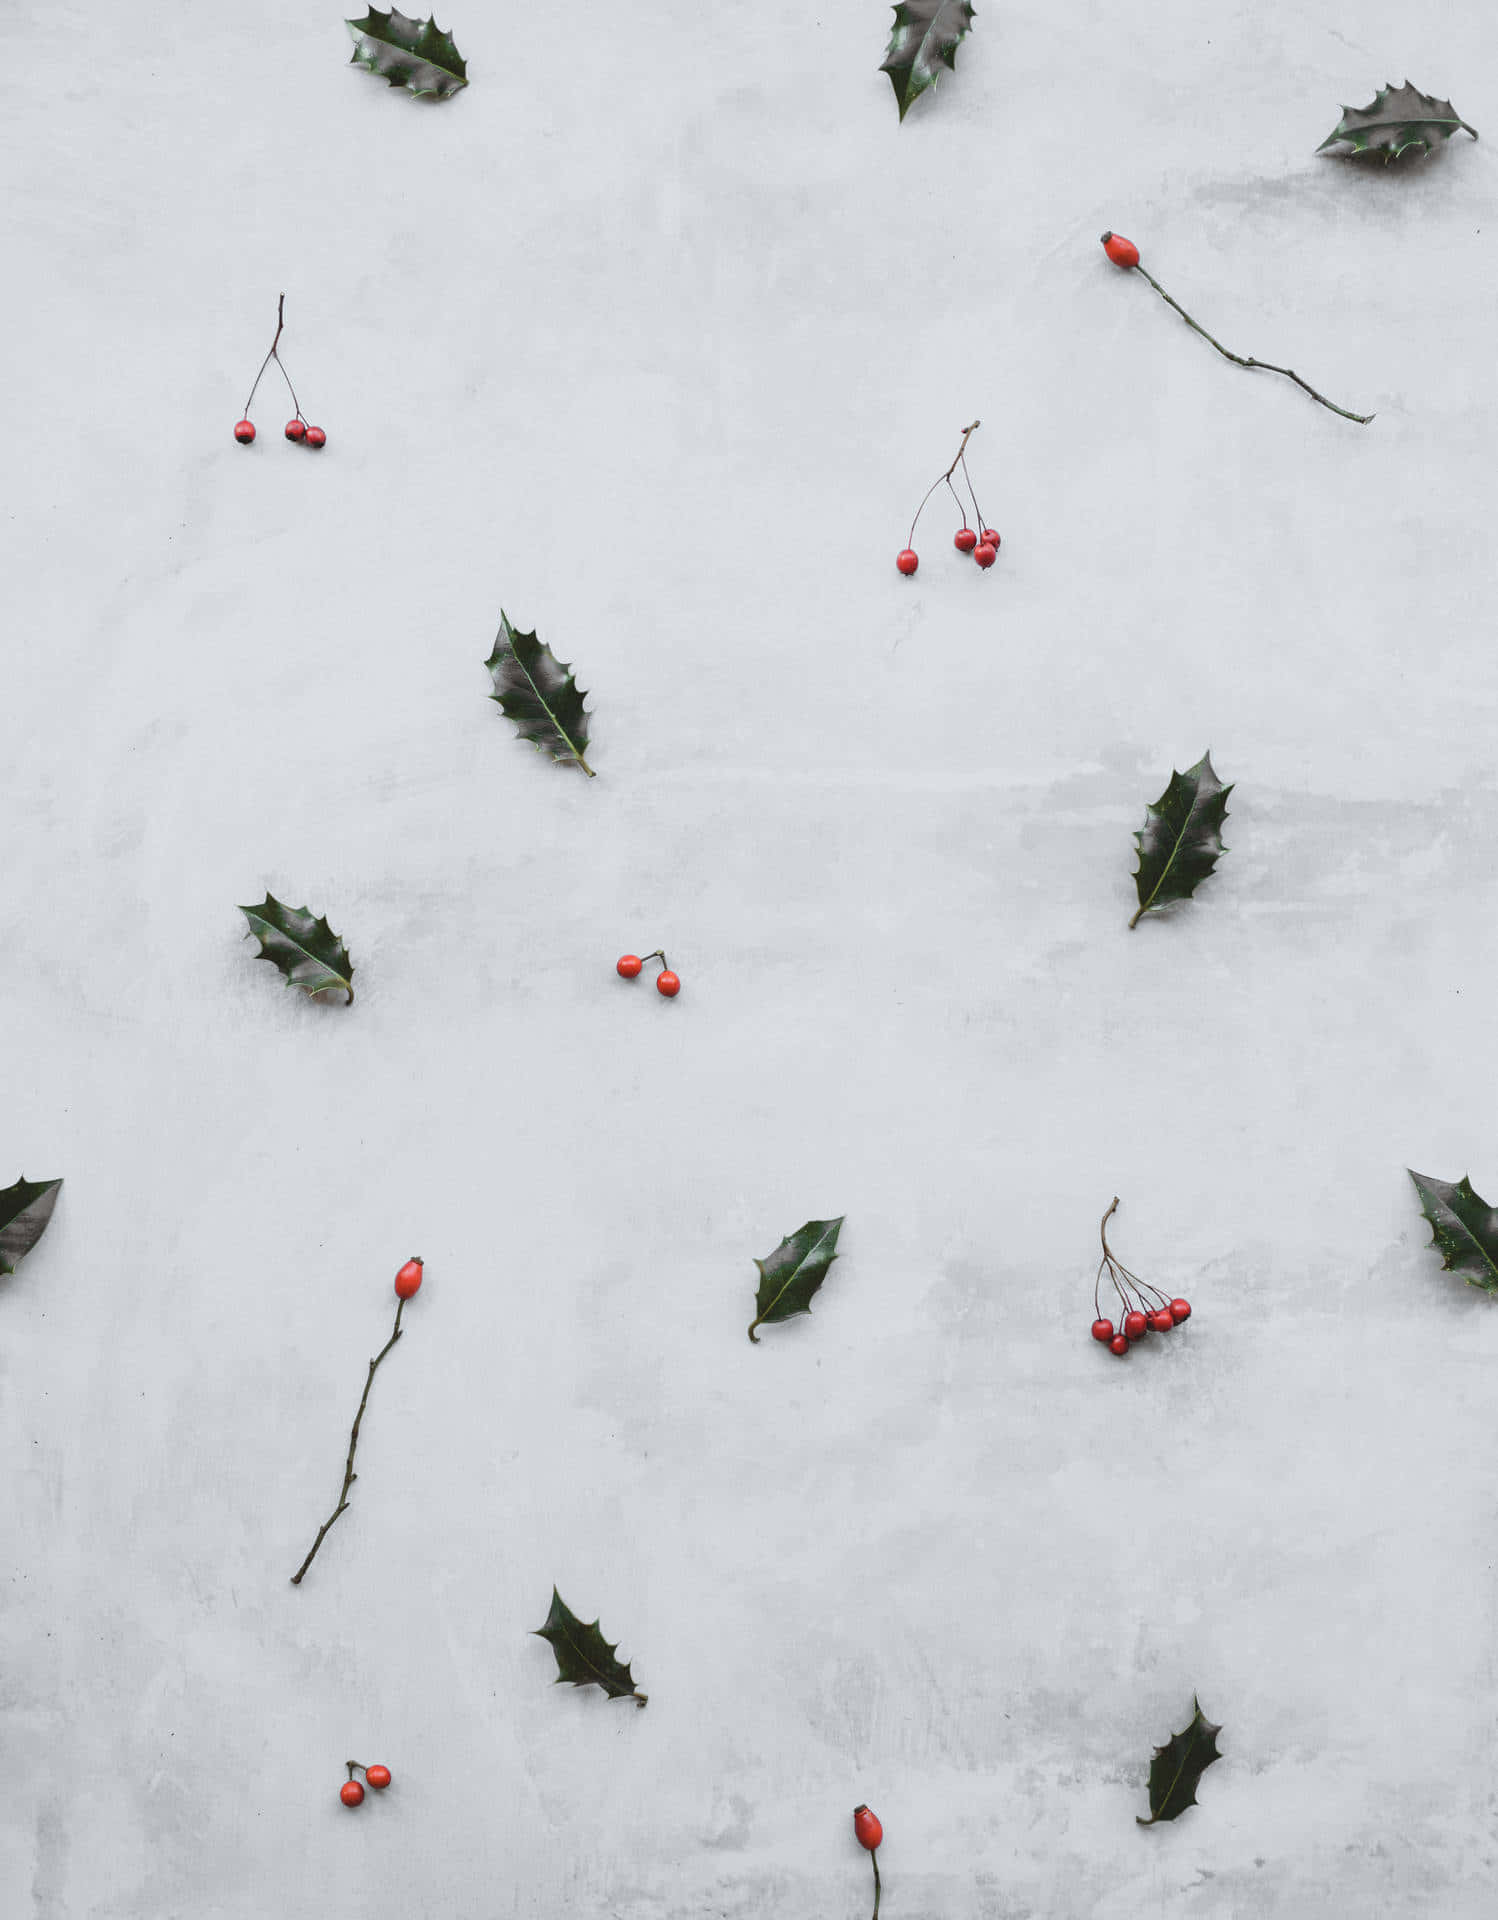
654, 337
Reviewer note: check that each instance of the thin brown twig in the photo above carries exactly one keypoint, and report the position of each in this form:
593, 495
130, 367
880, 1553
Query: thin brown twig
1240, 360
349, 1476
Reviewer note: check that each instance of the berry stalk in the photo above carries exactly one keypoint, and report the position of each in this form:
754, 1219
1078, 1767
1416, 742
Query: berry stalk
1125, 254
406, 1283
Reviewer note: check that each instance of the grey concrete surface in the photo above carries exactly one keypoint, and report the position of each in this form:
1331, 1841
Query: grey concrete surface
654, 337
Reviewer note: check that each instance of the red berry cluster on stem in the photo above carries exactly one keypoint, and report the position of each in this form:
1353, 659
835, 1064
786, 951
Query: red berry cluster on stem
667, 984
982, 542
351, 1793
1145, 1308
299, 430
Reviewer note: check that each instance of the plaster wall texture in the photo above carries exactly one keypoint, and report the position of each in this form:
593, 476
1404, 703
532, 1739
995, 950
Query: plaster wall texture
654, 337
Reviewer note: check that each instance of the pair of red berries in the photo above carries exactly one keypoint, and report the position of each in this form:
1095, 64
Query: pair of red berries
628, 967
983, 547
1135, 1325
351, 1793
297, 429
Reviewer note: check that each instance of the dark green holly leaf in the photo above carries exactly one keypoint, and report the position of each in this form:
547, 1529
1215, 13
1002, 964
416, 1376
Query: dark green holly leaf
306, 950
923, 40
1398, 118
794, 1271
537, 691
1181, 839
415, 54
1463, 1227
584, 1657
25, 1210
1178, 1765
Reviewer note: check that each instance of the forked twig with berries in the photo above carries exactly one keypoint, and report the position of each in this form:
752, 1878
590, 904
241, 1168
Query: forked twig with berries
351, 1793
667, 983
982, 542
1123, 253
868, 1832
298, 428
1145, 1308
406, 1283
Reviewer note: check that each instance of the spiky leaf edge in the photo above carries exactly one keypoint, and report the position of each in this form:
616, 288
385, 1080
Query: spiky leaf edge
509, 635
1358, 140
359, 30
1426, 1186
1211, 1732
565, 1624
763, 1319
904, 98
1219, 798
256, 914
40, 1192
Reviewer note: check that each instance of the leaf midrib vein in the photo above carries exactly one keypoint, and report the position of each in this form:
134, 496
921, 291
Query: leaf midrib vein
792, 1275
541, 699
1197, 801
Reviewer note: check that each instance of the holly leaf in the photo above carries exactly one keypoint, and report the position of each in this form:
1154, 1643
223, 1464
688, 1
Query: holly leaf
794, 1271
923, 40
1463, 1226
1397, 119
1178, 1766
1181, 838
25, 1210
537, 691
306, 950
583, 1655
415, 54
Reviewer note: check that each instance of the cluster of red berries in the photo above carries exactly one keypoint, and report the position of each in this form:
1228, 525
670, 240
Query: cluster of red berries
299, 429
1145, 1308
628, 966
982, 542
351, 1793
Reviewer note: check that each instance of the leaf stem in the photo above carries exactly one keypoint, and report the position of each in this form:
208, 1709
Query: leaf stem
349, 1476
1240, 360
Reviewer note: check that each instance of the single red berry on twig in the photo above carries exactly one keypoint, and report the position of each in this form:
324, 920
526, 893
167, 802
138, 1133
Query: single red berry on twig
1134, 1325
1180, 1310
667, 983
1161, 1322
628, 965
296, 429
316, 437
378, 1777
991, 539
408, 1279
351, 1793
244, 433
907, 559
1102, 1330
1119, 1344
964, 539
866, 1828
984, 554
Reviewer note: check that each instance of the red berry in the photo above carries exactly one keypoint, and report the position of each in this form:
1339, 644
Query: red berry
866, 1828
1180, 1310
964, 539
907, 560
296, 429
628, 965
1134, 1325
984, 554
408, 1279
990, 539
351, 1794
244, 433
1161, 1322
316, 437
1119, 1345
1102, 1329
377, 1776
1123, 253
668, 984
